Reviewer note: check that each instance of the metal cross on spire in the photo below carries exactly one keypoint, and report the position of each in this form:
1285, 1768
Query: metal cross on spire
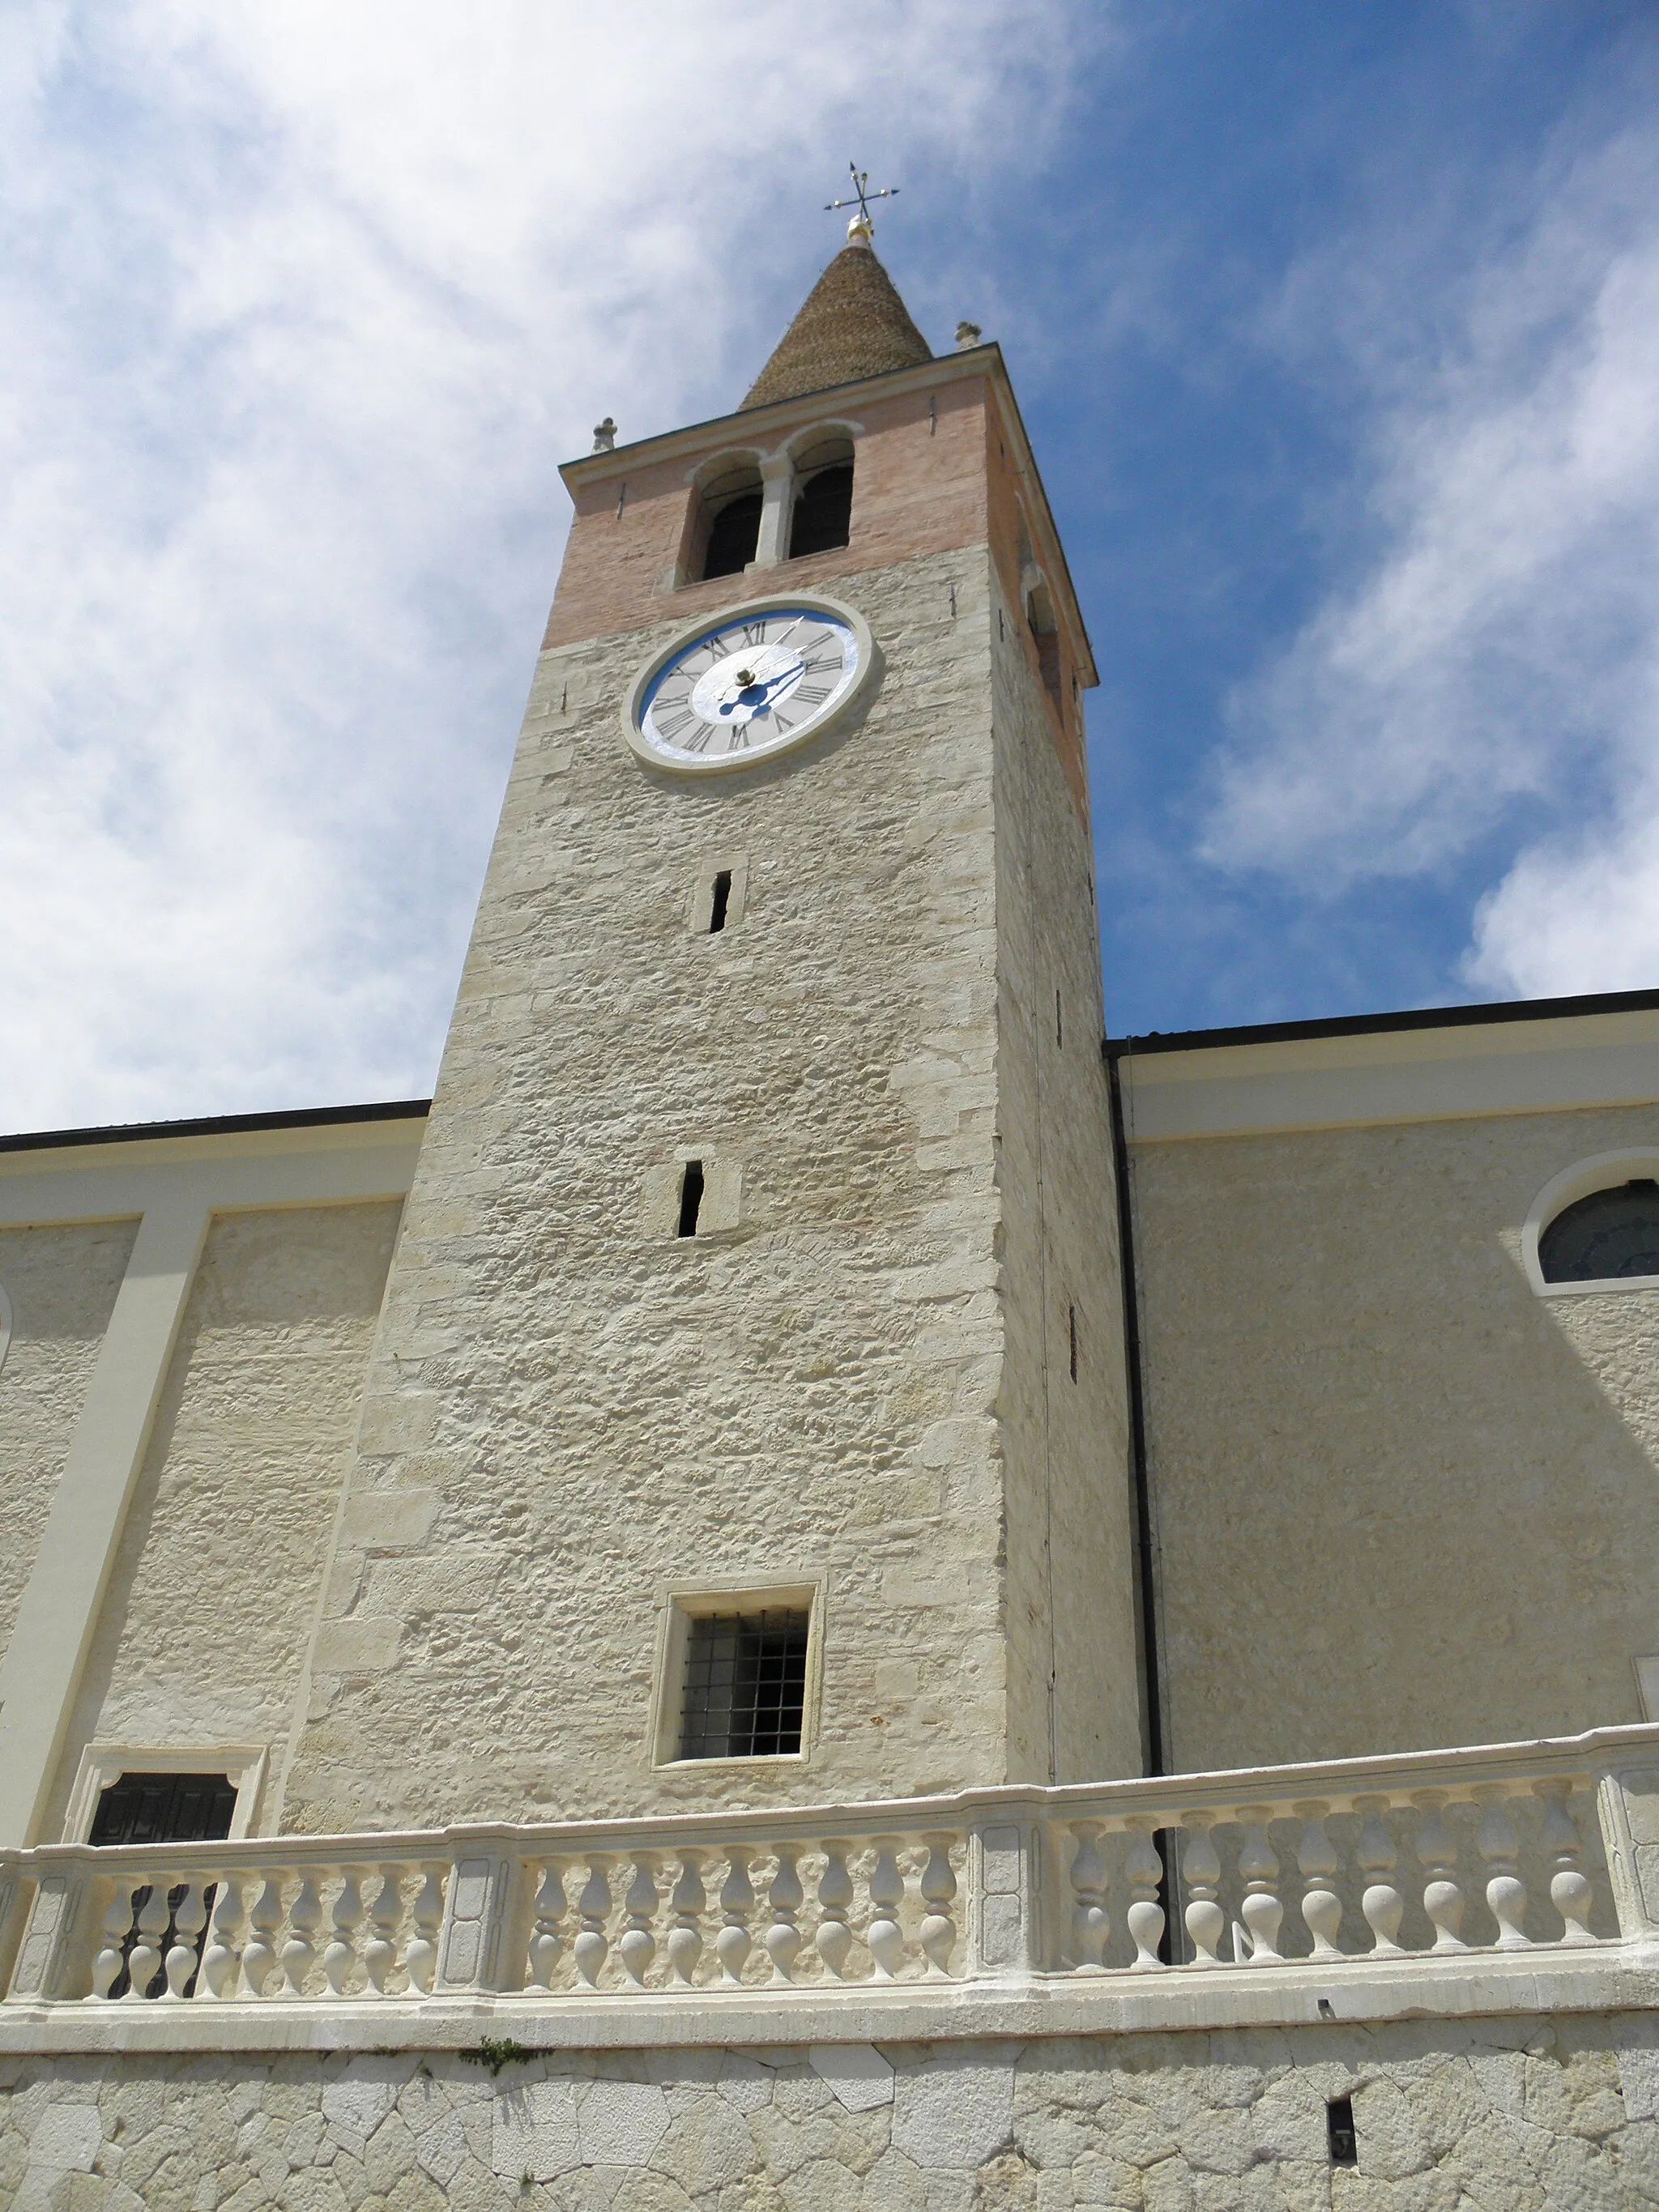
861, 225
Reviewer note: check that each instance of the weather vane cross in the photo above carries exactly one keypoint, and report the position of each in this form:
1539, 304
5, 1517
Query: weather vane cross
861, 224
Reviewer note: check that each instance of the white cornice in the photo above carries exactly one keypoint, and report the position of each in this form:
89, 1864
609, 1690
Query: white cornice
1413, 1075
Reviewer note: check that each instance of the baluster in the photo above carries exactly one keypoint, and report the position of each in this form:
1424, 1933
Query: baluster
145, 1959
1316, 1857
733, 1944
188, 1922
1571, 1891
883, 1937
348, 1915
1092, 1923
550, 1907
1442, 1893
691, 1902
1381, 1904
218, 1975
421, 1960
785, 1897
592, 1942
637, 1945
939, 1889
118, 1919
385, 1917
834, 1938
259, 1951
305, 1917
1200, 1868
1144, 1869
1261, 1908
1506, 1893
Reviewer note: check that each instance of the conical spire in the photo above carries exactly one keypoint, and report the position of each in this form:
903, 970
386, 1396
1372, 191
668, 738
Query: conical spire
853, 324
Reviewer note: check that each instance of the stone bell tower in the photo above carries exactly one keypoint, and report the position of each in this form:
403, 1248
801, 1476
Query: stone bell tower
761, 1266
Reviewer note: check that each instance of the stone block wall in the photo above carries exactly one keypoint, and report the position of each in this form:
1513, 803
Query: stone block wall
572, 1409
1070, 1606
1528, 2115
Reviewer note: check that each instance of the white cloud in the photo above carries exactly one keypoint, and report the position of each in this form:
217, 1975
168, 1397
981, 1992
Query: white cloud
300, 305
1491, 673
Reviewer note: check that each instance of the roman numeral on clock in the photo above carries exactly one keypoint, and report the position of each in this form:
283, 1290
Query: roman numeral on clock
671, 725
812, 694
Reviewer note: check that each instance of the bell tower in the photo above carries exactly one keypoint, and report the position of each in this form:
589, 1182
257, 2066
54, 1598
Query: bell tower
747, 1423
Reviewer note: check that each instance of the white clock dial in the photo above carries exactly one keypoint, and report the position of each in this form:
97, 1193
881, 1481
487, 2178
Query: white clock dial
748, 685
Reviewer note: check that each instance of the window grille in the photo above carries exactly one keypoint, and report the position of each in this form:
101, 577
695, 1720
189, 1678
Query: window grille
163, 1808
745, 1685
1604, 1236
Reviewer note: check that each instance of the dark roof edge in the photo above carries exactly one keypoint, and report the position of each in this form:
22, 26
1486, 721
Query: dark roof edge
218, 1125
1418, 1017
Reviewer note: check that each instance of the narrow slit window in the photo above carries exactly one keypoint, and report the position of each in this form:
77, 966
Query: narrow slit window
1071, 1331
690, 1198
720, 902
1340, 2131
1060, 1030
745, 1691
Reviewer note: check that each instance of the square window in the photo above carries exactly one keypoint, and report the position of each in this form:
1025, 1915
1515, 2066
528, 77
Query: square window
743, 1688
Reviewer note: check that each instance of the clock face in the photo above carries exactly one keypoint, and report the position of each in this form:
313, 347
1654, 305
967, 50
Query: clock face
748, 685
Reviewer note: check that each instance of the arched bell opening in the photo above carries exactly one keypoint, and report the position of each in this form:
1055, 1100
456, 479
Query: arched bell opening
726, 530
823, 515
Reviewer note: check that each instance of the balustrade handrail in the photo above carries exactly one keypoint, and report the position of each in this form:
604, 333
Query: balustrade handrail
1478, 1848
1578, 1758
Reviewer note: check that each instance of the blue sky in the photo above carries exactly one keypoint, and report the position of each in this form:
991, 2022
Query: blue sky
1336, 325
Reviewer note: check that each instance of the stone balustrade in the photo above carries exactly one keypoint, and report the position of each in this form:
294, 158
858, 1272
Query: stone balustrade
1395, 1864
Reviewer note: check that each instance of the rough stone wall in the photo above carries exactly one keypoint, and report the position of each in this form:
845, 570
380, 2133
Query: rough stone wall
1071, 1602
1447, 1487
62, 1283
571, 1408
204, 1627
1534, 2115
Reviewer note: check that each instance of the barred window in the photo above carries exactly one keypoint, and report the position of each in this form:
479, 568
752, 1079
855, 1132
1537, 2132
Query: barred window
745, 1685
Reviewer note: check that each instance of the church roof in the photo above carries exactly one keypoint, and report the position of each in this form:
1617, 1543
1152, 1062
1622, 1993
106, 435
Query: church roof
851, 324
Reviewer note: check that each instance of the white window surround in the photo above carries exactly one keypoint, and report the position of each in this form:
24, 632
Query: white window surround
1647, 1686
5, 1325
678, 1604
102, 1763
1602, 1171
777, 473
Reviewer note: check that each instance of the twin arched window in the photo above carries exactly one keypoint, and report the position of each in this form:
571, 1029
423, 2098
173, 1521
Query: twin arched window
812, 509
1596, 1225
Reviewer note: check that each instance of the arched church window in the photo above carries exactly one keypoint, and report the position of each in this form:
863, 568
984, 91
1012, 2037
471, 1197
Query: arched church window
1609, 1236
823, 516
729, 522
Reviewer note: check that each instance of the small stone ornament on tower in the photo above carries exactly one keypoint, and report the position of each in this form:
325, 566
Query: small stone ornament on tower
604, 435
968, 334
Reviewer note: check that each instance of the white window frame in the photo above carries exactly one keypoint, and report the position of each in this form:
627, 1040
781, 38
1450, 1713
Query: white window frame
6, 1325
102, 1763
677, 1605
1600, 1171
